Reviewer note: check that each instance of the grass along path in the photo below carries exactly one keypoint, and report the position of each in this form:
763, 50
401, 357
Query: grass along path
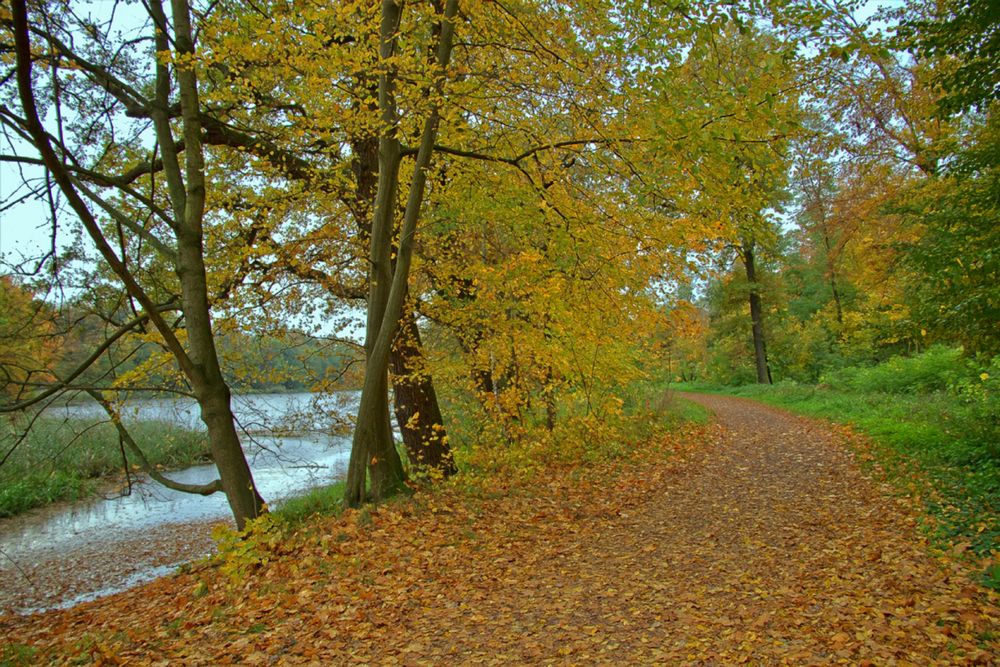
760, 541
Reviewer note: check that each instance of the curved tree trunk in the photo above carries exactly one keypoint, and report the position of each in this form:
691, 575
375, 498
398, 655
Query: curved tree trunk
210, 388
414, 398
373, 451
372, 434
188, 201
372, 445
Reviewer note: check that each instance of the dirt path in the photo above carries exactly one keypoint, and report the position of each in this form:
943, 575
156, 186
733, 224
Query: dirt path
768, 547
763, 544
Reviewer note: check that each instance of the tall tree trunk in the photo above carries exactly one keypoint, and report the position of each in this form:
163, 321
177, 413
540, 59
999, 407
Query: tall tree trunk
416, 404
210, 387
756, 316
188, 200
373, 452
831, 270
415, 400
549, 392
186, 187
372, 445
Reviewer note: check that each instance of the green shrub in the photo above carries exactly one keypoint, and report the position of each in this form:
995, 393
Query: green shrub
937, 369
979, 397
321, 500
39, 488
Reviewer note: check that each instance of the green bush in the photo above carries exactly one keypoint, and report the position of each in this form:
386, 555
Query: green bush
321, 500
967, 410
15, 655
980, 408
937, 369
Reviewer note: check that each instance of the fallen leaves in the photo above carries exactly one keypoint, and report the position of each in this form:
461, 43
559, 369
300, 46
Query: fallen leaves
765, 550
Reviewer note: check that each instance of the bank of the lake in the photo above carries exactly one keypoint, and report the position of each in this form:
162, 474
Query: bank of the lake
66, 459
71, 451
57, 554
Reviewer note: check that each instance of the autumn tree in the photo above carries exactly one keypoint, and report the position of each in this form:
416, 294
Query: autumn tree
373, 447
148, 230
908, 198
960, 214
291, 98
951, 271
952, 264
751, 107
967, 33
27, 345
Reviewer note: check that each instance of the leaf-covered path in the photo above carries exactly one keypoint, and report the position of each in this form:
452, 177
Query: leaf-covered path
761, 543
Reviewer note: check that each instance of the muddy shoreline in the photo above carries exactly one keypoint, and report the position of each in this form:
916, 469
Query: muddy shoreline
90, 568
67, 553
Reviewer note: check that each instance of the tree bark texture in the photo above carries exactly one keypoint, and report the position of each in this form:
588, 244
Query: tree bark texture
210, 388
372, 446
372, 434
756, 316
417, 411
415, 402
188, 198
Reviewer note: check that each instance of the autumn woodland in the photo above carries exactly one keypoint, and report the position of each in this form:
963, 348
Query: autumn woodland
669, 331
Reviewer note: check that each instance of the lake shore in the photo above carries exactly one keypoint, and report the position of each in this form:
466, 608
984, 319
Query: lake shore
56, 578
67, 552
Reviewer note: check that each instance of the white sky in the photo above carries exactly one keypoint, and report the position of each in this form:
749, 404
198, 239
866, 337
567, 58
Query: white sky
24, 229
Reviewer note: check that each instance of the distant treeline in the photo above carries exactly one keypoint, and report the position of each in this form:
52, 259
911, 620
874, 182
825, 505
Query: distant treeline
265, 362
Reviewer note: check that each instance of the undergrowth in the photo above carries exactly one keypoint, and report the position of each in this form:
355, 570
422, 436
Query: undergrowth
325, 500
16, 655
583, 431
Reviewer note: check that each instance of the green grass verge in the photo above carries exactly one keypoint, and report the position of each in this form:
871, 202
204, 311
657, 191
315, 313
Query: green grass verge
935, 440
63, 459
324, 500
680, 411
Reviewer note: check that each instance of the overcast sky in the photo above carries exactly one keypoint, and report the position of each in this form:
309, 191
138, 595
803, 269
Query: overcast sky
24, 228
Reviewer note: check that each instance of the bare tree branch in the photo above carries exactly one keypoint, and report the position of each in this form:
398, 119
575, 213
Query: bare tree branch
85, 364
147, 467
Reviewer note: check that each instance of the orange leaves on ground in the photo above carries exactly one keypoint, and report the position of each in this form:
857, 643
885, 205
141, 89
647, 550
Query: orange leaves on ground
758, 542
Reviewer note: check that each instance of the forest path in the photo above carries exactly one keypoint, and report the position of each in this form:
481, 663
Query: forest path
762, 543
768, 547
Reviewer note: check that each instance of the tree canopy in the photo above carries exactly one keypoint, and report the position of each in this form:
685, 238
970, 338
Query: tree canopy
529, 209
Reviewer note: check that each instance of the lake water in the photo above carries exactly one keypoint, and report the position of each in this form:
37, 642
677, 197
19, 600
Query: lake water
306, 454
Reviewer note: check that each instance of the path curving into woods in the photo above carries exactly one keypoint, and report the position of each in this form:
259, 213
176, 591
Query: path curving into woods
761, 543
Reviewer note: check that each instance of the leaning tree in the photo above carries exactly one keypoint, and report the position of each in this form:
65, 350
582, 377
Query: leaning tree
109, 109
